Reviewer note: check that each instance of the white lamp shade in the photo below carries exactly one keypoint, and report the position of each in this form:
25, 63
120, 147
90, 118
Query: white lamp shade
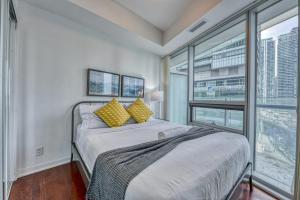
157, 96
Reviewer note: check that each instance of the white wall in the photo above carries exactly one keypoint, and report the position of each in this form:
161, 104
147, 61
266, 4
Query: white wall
53, 57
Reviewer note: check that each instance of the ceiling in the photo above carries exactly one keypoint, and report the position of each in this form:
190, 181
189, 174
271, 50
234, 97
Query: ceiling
161, 13
157, 26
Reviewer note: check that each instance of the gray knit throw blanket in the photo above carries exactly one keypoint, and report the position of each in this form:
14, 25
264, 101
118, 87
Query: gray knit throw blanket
113, 170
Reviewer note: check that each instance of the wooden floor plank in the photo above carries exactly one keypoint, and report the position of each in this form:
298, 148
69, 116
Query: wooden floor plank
64, 182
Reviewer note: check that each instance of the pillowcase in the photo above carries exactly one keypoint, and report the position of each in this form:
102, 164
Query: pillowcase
130, 120
139, 111
113, 113
88, 117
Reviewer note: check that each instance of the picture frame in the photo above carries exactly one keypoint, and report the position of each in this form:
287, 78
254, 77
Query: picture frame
132, 87
102, 83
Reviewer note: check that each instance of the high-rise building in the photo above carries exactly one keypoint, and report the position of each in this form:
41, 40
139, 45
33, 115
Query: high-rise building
219, 72
266, 82
287, 50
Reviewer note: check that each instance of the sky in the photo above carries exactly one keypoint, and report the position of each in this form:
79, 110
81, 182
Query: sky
279, 29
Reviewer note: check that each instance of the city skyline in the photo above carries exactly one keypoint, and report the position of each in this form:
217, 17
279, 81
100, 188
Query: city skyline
274, 33
214, 70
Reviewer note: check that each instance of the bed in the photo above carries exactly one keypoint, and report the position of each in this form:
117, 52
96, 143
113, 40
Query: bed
210, 167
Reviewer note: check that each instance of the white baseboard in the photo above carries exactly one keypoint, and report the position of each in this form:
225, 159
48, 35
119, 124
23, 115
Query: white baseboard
41, 167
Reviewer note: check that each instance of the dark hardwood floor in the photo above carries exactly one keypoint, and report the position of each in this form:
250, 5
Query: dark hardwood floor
64, 182
60, 183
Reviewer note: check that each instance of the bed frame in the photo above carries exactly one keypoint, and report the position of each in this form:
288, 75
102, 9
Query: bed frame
245, 177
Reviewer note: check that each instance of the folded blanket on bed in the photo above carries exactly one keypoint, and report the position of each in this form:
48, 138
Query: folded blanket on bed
172, 132
113, 170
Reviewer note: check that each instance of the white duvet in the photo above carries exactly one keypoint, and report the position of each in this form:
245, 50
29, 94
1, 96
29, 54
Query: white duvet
205, 168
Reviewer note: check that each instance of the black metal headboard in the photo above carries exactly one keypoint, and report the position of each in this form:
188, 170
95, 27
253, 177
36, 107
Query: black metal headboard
86, 102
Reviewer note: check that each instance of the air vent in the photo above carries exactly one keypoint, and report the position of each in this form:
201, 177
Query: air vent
197, 26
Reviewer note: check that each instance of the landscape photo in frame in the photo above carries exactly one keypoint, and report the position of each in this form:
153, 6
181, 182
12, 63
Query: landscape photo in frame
133, 87
101, 83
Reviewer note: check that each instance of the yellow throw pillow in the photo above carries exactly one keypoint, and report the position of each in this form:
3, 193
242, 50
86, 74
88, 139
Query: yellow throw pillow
113, 114
139, 111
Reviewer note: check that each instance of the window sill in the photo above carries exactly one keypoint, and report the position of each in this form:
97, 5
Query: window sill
261, 184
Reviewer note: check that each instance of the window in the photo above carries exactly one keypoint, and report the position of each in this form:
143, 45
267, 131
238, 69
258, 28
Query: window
178, 80
220, 83
276, 97
215, 73
219, 73
233, 71
221, 117
221, 58
219, 96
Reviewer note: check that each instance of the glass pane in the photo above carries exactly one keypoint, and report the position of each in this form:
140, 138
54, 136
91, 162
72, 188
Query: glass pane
178, 80
228, 118
219, 66
276, 98
234, 119
209, 115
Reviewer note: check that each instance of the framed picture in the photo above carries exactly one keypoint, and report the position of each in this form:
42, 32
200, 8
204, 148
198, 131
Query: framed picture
132, 86
101, 83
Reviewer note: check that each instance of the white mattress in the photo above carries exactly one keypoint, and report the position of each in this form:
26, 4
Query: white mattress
204, 168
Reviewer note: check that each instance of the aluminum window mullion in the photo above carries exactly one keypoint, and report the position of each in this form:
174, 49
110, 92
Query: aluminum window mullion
190, 81
2, 19
217, 102
251, 81
297, 168
219, 106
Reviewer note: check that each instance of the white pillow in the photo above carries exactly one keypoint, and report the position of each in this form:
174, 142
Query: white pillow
88, 118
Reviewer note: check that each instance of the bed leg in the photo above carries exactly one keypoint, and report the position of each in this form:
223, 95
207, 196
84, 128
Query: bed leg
251, 183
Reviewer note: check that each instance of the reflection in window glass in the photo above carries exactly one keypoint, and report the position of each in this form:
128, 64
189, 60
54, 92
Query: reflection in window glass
209, 115
276, 97
219, 66
234, 119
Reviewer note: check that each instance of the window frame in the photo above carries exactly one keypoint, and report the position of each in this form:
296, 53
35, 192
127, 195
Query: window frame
249, 14
236, 106
258, 177
221, 104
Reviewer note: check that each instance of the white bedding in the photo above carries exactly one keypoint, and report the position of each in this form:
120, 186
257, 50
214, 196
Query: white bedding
205, 168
